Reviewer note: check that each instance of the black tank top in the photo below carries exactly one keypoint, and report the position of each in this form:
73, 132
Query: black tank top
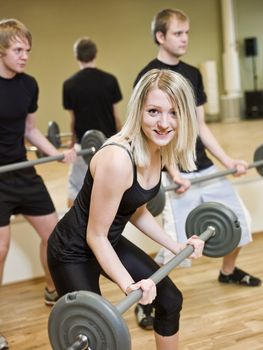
68, 241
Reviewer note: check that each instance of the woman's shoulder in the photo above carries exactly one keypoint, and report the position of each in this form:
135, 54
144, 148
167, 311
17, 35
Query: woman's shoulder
115, 155
113, 162
118, 145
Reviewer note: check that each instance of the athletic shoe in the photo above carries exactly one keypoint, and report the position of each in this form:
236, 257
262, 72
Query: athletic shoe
240, 277
3, 343
50, 298
144, 315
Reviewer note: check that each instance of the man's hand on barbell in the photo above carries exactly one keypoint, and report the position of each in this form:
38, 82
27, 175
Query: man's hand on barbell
70, 156
240, 165
184, 185
195, 241
198, 245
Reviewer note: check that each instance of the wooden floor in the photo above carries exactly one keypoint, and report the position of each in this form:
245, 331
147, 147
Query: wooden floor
214, 316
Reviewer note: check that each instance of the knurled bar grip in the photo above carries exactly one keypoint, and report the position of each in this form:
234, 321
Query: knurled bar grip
163, 271
29, 163
222, 173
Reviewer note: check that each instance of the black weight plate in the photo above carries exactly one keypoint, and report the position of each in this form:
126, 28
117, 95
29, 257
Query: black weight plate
91, 315
40, 154
92, 140
258, 156
53, 134
156, 205
225, 222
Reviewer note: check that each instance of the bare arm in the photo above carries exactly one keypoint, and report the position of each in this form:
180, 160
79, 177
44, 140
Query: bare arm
116, 116
36, 138
72, 128
215, 148
184, 184
145, 222
113, 172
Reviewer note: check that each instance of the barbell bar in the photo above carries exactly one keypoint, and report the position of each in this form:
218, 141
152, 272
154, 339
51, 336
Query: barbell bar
91, 141
156, 205
98, 323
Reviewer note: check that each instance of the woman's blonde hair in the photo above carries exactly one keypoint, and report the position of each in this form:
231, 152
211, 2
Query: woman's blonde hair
181, 150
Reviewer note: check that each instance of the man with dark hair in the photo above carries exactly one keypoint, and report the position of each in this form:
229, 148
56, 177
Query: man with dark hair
170, 30
91, 96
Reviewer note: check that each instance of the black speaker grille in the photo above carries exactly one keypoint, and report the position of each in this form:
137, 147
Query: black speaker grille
251, 47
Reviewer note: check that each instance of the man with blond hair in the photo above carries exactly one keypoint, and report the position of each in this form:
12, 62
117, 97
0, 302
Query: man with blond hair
22, 191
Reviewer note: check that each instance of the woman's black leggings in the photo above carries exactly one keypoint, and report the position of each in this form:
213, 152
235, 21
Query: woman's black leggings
69, 277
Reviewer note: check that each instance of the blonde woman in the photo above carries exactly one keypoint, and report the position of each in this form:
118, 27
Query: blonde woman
123, 176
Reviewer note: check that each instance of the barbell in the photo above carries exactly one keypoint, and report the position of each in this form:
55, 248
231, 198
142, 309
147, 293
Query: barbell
157, 204
91, 141
54, 135
85, 320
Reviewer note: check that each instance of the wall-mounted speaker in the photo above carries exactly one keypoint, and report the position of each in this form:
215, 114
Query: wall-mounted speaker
251, 48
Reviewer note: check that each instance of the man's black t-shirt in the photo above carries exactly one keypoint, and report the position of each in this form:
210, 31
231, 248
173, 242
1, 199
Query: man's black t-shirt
90, 94
18, 97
